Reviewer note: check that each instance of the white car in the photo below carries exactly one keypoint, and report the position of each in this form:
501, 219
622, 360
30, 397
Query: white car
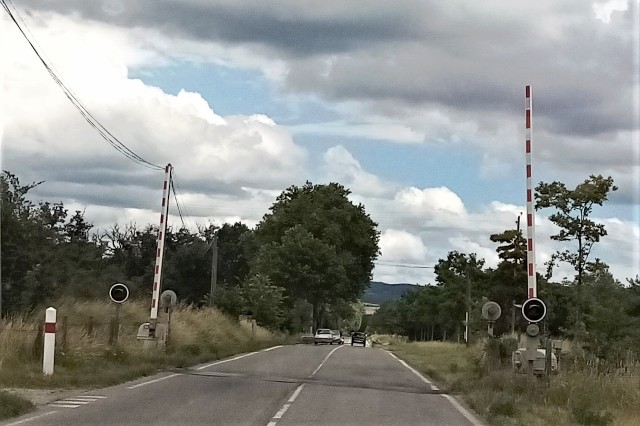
323, 335
337, 337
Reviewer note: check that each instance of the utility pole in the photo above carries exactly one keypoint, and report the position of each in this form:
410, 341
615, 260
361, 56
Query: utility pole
214, 268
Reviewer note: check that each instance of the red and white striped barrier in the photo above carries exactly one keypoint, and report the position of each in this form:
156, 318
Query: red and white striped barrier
162, 230
531, 254
49, 341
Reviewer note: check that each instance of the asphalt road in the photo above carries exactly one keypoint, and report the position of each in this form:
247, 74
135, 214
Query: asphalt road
284, 385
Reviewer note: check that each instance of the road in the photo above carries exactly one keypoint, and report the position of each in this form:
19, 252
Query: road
283, 386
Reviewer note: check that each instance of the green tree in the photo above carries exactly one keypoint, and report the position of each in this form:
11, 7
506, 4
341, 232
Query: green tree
263, 301
463, 282
307, 267
609, 332
573, 209
233, 264
509, 279
317, 244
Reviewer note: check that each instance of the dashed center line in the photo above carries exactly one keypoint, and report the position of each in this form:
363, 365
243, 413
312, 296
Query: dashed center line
285, 407
324, 360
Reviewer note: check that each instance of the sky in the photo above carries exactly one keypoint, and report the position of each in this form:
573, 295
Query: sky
416, 106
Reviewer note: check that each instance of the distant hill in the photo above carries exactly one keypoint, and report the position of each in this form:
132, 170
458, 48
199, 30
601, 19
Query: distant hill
379, 292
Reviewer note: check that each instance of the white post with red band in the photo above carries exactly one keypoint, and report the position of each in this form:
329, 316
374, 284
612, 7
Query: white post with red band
49, 341
531, 253
162, 230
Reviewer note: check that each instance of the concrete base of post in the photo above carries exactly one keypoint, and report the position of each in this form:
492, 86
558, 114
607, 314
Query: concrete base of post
152, 342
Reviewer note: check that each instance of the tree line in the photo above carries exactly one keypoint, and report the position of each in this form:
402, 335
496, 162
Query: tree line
593, 308
307, 262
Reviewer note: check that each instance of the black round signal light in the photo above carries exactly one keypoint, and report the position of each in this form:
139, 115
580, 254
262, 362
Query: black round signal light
534, 310
119, 292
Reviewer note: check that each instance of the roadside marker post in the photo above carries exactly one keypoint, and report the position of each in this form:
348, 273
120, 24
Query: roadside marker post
49, 341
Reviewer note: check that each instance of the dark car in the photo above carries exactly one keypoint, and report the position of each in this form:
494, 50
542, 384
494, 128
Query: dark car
358, 337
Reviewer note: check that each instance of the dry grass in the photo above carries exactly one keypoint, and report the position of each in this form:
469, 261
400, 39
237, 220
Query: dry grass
88, 360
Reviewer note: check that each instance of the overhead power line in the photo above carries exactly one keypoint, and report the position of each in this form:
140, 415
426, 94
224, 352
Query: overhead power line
402, 265
90, 118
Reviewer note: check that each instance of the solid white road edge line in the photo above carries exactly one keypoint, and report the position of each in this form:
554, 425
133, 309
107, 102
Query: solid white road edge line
324, 360
451, 399
463, 410
225, 360
413, 370
91, 396
28, 419
153, 381
272, 348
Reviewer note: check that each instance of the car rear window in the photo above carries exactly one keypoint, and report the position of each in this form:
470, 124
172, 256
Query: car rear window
324, 331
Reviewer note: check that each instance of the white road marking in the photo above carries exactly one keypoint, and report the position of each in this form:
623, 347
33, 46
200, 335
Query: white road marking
283, 410
324, 360
451, 399
285, 407
153, 381
225, 360
414, 371
296, 393
462, 410
75, 402
28, 419
272, 348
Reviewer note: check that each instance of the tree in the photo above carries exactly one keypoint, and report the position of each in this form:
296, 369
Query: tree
463, 282
573, 208
317, 244
263, 301
509, 279
233, 265
307, 267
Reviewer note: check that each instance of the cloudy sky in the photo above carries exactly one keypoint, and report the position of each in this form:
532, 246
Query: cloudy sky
416, 106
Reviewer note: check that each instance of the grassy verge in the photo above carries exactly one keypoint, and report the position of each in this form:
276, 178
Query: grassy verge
89, 361
13, 405
504, 398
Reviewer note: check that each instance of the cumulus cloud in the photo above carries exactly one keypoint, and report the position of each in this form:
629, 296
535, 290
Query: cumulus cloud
604, 10
432, 201
46, 138
407, 72
401, 246
341, 166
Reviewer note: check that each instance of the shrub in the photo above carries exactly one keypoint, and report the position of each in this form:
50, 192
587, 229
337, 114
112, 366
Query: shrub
13, 405
503, 405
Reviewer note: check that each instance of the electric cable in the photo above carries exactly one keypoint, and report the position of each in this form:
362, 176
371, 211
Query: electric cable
86, 114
